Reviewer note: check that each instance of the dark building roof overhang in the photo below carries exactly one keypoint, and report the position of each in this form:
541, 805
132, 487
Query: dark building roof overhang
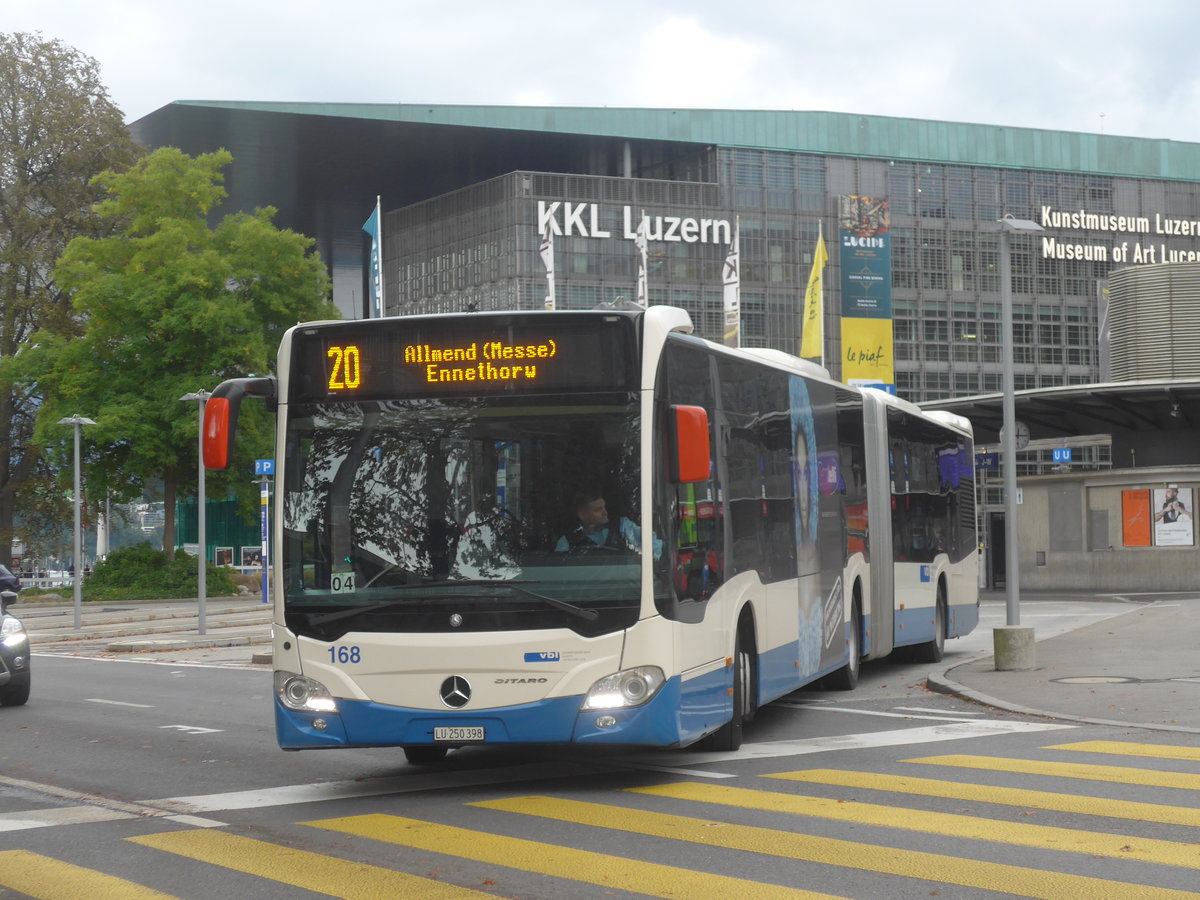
1064, 412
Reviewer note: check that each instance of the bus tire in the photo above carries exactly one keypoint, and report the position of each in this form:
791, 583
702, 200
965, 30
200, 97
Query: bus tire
933, 650
729, 736
846, 678
424, 756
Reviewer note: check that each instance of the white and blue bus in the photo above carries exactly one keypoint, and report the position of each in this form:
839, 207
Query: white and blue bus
588, 527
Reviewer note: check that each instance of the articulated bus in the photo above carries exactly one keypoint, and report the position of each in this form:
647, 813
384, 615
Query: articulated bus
588, 527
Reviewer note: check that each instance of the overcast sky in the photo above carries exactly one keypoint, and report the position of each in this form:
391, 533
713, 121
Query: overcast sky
1072, 65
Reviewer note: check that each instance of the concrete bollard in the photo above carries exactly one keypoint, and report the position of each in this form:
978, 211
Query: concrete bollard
1014, 648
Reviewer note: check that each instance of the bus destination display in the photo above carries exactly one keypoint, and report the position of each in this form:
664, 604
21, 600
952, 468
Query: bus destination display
468, 355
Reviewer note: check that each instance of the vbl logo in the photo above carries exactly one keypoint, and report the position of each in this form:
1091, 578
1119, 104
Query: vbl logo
543, 656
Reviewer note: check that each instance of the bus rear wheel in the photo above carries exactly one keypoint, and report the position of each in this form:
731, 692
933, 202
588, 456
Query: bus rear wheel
424, 756
933, 650
846, 678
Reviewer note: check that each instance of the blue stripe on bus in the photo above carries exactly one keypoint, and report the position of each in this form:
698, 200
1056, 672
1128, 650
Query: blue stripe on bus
662, 722
964, 617
915, 626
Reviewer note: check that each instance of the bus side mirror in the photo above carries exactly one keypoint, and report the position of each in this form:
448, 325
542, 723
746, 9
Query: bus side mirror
690, 459
221, 412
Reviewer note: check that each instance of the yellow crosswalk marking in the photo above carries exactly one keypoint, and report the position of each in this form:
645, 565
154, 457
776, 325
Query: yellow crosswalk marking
47, 878
1021, 834
834, 852
982, 793
1130, 748
301, 868
612, 872
1113, 774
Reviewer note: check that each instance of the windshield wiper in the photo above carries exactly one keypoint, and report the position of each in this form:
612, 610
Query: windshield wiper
589, 615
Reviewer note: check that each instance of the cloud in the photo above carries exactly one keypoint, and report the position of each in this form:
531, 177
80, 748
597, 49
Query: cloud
679, 63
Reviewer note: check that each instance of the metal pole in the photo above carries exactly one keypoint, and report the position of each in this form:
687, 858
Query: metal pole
264, 499
78, 550
1012, 583
201, 533
201, 524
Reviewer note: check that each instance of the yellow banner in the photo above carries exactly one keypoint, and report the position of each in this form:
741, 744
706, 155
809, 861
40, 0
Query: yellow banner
813, 323
867, 351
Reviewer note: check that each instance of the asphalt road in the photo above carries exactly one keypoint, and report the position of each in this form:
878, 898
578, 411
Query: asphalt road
128, 776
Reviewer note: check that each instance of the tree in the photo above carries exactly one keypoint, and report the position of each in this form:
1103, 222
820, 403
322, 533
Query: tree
58, 129
171, 305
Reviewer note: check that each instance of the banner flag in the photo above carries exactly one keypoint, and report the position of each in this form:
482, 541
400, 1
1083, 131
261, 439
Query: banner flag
731, 279
547, 253
812, 336
865, 248
373, 227
639, 241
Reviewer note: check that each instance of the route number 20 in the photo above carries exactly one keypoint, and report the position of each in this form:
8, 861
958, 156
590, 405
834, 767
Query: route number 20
346, 372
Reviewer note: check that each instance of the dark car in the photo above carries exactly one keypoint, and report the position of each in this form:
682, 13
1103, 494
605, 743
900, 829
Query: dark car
14, 655
9, 581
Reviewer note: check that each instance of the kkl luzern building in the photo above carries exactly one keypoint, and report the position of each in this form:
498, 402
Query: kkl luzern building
908, 210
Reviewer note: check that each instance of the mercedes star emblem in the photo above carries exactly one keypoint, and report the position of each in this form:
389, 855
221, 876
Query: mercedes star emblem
455, 692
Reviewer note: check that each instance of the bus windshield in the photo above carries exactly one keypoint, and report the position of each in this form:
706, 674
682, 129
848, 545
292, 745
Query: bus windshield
461, 514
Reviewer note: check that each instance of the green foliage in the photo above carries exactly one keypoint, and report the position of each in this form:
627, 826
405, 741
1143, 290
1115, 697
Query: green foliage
58, 129
171, 305
143, 573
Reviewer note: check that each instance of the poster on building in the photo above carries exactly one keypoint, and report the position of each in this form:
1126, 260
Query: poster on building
1135, 518
1173, 526
865, 256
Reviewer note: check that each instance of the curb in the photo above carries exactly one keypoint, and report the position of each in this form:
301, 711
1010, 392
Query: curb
178, 644
943, 684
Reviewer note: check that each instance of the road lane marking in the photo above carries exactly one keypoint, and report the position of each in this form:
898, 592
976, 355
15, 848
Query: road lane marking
1112, 774
50, 879
928, 867
941, 712
671, 762
1132, 748
118, 703
193, 729
60, 815
950, 731
981, 793
301, 868
92, 808
287, 795
588, 867
942, 717
975, 828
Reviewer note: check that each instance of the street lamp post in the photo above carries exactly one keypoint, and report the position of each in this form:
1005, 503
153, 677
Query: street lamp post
1014, 647
201, 549
77, 569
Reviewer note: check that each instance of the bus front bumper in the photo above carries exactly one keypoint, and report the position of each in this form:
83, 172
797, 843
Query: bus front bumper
560, 720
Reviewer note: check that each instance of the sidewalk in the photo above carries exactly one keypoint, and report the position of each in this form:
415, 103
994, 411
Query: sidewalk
1140, 668
237, 630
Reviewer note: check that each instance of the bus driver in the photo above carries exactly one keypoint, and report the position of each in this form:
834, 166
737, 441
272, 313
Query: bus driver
595, 529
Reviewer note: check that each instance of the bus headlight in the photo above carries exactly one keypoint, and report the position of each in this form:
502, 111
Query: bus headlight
625, 689
303, 694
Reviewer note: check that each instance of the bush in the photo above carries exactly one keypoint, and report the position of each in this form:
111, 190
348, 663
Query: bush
142, 573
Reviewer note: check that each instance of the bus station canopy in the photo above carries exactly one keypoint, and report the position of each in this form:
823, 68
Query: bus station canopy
1086, 409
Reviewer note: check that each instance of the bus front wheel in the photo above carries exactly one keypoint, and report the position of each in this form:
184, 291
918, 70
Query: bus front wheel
729, 736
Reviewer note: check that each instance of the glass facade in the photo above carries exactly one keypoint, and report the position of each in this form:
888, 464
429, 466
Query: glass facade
478, 248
